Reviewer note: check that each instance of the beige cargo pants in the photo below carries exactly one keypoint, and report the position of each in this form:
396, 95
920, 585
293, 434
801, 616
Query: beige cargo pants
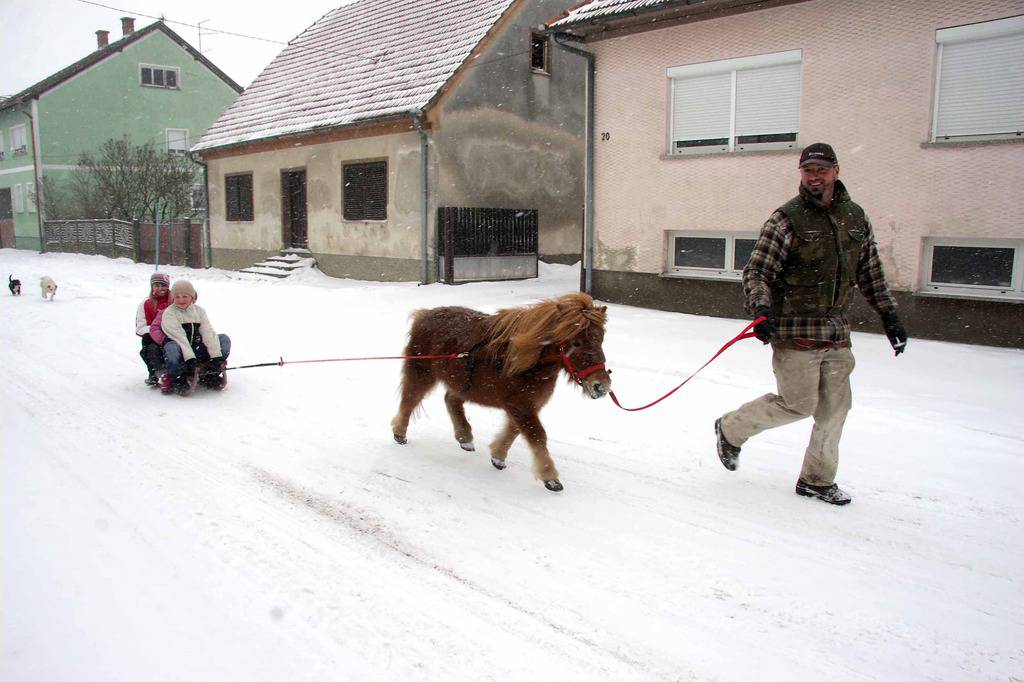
810, 383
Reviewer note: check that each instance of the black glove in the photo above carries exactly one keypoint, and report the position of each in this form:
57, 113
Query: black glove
218, 364
765, 329
191, 366
895, 331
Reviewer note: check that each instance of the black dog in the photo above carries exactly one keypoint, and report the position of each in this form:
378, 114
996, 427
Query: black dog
14, 285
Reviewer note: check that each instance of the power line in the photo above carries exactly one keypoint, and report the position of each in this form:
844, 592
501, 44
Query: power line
374, 59
219, 31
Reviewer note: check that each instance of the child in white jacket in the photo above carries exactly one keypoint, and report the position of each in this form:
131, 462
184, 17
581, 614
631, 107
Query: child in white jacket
192, 346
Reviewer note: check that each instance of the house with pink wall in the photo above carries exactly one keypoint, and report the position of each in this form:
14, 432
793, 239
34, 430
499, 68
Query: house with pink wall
700, 110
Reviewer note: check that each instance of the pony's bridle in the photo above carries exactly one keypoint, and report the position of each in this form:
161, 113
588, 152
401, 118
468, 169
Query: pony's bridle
578, 377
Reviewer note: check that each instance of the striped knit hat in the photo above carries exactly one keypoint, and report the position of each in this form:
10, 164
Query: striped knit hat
160, 278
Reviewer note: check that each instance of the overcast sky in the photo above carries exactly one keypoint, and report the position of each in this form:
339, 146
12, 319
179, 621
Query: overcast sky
40, 37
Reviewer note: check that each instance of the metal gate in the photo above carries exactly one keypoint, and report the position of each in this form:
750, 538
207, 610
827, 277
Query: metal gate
486, 243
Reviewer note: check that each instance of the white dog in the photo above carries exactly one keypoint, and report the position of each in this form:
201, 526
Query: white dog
48, 287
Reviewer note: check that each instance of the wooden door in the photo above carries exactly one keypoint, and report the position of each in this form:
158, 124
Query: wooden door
6, 219
293, 190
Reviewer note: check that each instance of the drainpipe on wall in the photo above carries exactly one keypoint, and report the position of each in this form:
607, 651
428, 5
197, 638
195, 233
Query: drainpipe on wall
37, 171
588, 192
417, 121
207, 242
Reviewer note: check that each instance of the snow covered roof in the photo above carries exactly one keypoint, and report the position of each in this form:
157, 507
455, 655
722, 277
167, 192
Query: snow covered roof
364, 61
589, 11
598, 19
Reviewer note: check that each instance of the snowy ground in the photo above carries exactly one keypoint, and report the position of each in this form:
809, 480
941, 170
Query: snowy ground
275, 532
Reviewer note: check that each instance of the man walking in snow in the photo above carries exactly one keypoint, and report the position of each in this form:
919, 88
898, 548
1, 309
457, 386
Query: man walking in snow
811, 254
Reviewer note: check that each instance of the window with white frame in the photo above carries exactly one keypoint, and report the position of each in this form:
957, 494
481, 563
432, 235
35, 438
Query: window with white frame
978, 268
159, 76
198, 197
742, 104
716, 255
30, 196
177, 141
19, 140
979, 86
17, 199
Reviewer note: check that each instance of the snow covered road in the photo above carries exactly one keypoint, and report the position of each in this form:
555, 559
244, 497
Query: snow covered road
276, 532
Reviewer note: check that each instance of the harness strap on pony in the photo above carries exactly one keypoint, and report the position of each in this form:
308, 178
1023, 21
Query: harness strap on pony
578, 377
471, 361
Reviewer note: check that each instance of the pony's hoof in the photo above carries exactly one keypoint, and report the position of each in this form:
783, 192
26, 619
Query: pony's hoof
468, 447
401, 440
499, 464
553, 485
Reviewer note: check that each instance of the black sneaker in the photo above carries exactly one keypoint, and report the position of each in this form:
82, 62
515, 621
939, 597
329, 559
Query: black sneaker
214, 380
185, 383
727, 452
827, 493
152, 379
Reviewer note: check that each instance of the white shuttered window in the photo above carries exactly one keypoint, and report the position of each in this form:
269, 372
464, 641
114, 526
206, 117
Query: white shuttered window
979, 92
736, 104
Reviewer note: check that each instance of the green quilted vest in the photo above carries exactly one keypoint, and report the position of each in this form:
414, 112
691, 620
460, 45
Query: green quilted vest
821, 268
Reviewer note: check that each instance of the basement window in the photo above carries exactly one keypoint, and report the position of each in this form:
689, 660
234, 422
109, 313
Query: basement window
709, 255
974, 268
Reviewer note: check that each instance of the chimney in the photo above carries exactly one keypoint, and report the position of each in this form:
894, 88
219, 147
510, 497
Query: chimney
101, 39
127, 25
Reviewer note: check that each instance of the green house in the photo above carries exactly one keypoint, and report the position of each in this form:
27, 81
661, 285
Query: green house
150, 85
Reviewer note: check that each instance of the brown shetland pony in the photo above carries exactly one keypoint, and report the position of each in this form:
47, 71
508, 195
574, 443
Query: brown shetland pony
514, 358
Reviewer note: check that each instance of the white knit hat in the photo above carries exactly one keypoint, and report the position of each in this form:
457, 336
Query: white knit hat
183, 286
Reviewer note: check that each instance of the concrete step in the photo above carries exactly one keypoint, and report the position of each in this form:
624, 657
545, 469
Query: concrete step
285, 264
279, 267
268, 272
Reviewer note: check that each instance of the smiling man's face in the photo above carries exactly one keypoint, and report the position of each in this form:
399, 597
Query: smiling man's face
819, 179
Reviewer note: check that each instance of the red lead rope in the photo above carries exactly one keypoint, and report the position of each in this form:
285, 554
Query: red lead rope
745, 334
578, 376
282, 362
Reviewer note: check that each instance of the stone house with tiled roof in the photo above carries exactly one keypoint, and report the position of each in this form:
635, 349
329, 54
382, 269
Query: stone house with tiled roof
702, 108
386, 117
149, 85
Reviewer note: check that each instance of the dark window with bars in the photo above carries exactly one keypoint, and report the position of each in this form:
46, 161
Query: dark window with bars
487, 231
238, 197
365, 191
538, 52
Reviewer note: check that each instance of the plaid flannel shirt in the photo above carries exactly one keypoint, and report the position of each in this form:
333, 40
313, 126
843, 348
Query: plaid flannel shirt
769, 259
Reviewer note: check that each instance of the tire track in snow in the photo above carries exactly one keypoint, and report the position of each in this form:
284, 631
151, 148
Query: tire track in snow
362, 523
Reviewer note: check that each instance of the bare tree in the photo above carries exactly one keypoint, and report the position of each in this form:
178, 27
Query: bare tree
128, 181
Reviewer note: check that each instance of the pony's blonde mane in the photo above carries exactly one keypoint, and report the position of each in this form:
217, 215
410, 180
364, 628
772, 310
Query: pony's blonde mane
517, 336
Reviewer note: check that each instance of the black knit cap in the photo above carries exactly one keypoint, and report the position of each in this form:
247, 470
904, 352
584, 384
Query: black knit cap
819, 153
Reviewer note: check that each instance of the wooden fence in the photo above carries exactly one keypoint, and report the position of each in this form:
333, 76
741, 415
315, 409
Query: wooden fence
181, 243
